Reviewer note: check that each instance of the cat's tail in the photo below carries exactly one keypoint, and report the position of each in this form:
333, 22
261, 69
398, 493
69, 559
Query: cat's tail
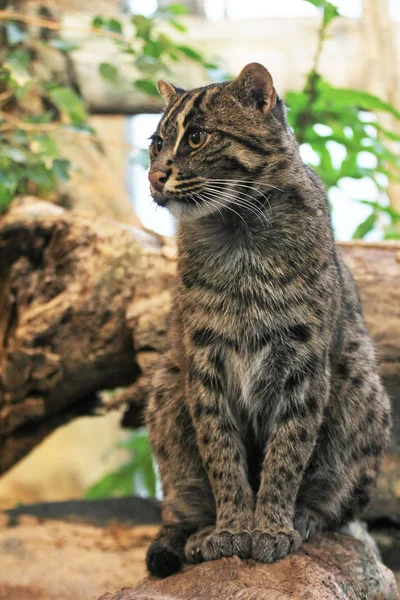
167, 552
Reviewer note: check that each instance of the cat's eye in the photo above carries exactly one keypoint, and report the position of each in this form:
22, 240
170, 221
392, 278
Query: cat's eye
158, 144
196, 138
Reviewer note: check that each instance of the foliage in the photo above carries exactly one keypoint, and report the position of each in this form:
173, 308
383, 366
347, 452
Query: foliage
135, 476
326, 118
151, 49
34, 105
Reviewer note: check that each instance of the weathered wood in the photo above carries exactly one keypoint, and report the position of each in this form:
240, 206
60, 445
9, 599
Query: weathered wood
376, 268
57, 559
66, 286
330, 567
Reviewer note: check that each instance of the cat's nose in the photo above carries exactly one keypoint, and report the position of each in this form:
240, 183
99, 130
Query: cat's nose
157, 179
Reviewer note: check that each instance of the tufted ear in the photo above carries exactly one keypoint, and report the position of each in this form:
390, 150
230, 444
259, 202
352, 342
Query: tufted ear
253, 87
168, 91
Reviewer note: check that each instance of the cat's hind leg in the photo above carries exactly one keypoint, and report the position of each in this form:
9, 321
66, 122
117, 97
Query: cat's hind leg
166, 553
188, 502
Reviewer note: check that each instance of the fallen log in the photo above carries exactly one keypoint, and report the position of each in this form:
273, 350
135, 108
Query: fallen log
330, 567
72, 292
63, 558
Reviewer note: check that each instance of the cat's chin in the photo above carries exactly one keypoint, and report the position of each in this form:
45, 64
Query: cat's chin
188, 212
183, 209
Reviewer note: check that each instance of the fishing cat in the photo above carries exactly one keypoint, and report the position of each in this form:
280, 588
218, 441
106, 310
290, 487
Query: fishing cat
267, 418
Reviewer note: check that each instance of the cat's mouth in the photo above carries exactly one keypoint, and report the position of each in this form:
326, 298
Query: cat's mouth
166, 197
160, 198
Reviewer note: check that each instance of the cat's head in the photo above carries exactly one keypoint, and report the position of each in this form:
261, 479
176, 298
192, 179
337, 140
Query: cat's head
217, 146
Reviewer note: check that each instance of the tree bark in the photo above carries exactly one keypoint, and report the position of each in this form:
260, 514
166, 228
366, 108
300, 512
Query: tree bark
329, 567
68, 544
95, 186
72, 291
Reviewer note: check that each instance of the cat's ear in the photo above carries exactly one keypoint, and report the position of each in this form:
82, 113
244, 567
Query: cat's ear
168, 91
253, 87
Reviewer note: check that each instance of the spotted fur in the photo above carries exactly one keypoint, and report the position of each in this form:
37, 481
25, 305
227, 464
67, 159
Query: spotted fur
268, 418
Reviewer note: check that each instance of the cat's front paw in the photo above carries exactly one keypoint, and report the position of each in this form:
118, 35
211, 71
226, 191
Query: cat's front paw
269, 546
223, 543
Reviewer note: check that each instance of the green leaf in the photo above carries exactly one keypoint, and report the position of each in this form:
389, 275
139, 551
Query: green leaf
97, 22
389, 210
42, 177
44, 145
147, 86
65, 46
149, 65
365, 227
344, 97
19, 136
390, 135
61, 168
18, 63
138, 469
10, 178
109, 72
330, 10
114, 25
177, 25
117, 483
44, 117
173, 9
392, 233
69, 103
5, 197
143, 26
152, 49
330, 13
15, 154
190, 53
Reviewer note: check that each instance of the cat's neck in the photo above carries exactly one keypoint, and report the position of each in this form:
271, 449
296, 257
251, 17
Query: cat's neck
287, 222
231, 224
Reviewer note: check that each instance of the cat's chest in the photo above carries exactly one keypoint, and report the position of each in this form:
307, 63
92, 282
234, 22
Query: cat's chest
252, 397
242, 371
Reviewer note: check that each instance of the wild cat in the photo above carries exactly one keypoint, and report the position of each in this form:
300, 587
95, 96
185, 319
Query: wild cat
267, 418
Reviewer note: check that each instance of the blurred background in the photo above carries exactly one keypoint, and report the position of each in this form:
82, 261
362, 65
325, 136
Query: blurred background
78, 103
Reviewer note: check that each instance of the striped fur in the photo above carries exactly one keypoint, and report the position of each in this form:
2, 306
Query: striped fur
268, 418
